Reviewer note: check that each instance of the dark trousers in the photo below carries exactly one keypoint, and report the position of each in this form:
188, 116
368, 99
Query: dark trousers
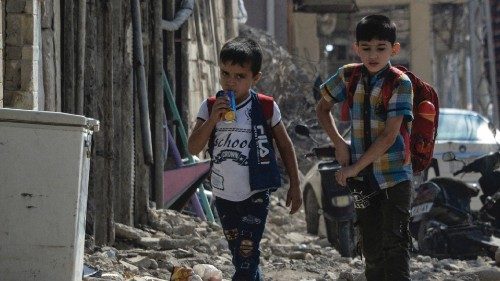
385, 236
243, 224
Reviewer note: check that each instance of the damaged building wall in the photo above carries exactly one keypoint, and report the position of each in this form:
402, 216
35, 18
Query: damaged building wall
212, 23
121, 181
21, 87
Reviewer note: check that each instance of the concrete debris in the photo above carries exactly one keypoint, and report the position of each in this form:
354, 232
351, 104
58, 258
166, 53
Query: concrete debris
287, 253
130, 233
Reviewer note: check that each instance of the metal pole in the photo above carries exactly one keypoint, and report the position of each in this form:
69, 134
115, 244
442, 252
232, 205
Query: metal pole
491, 63
80, 55
141, 81
472, 5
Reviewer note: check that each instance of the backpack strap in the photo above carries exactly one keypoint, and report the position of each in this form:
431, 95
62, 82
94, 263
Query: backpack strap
267, 104
390, 82
354, 77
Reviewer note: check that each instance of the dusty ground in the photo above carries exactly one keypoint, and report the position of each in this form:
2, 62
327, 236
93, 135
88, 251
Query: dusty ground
288, 253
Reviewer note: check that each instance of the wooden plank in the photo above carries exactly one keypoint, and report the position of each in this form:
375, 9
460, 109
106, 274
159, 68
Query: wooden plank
104, 192
143, 171
80, 55
123, 113
141, 178
90, 109
68, 56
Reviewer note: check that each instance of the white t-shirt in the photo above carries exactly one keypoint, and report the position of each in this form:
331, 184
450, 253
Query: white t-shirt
230, 173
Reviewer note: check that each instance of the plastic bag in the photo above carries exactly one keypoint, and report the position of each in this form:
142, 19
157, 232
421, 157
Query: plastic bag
208, 272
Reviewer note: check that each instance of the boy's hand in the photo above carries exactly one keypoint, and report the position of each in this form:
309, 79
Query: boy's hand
342, 153
219, 108
344, 173
294, 197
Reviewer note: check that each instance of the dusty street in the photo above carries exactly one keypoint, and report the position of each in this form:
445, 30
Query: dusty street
288, 253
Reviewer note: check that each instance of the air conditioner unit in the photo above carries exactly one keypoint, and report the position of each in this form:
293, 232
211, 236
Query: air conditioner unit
325, 6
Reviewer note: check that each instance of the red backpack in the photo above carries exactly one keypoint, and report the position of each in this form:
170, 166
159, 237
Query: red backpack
267, 104
420, 144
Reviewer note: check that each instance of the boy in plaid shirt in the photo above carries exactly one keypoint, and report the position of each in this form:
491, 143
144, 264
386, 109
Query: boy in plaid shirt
377, 146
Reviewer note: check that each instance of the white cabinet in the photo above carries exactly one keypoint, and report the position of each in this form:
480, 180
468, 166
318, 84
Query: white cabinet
44, 170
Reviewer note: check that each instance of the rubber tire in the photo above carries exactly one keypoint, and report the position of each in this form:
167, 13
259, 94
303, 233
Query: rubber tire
347, 244
311, 207
332, 233
342, 237
423, 248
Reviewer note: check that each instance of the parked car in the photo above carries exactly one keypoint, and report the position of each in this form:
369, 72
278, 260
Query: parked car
466, 133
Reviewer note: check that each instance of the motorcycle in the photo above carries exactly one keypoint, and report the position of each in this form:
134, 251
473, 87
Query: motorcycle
324, 198
442, 221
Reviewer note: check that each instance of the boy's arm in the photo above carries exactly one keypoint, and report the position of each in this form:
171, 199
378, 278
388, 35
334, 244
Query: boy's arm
200, 135
377, 149
326, 121
287, 153
203, 128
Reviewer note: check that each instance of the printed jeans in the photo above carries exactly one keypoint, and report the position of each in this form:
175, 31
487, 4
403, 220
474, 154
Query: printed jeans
243, 224
385, 236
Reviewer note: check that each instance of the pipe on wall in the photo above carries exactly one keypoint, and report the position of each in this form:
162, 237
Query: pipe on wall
180, 16
141, 81
270, 17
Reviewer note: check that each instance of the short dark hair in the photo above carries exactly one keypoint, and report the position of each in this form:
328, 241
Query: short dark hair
242, 50
376, 27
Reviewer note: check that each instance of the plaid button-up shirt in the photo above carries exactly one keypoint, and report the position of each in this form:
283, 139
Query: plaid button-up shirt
392, 167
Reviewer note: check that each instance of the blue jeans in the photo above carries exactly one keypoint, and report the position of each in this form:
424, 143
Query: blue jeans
243, 224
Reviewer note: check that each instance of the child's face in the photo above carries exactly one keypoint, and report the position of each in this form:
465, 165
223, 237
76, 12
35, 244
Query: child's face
375, 54
237, 78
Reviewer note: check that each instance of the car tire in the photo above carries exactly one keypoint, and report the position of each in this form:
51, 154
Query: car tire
311, 207
424, 247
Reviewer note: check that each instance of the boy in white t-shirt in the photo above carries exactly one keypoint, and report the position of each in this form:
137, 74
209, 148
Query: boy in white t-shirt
244, 169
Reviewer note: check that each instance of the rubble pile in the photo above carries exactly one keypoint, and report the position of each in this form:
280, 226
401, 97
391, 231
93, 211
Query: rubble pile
288, 253
289, 84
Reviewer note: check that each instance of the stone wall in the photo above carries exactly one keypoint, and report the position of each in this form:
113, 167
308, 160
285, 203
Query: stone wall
207, 30
22, 48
